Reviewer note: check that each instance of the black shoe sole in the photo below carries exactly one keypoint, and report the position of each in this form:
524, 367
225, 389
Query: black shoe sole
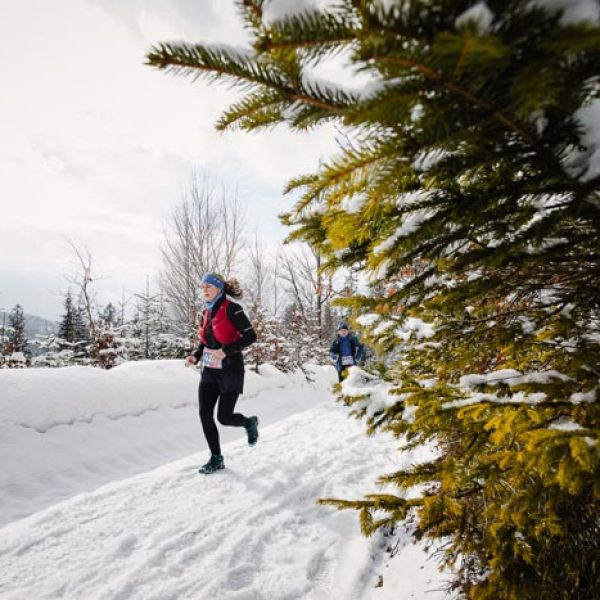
255, 442
210, 472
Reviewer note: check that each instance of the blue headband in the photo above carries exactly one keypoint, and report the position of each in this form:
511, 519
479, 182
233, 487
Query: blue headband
214, 279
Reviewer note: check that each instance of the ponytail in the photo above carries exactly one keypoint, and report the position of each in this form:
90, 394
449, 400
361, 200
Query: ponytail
232, 288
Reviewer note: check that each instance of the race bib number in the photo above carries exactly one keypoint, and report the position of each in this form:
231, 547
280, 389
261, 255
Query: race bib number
347, 360
210, 360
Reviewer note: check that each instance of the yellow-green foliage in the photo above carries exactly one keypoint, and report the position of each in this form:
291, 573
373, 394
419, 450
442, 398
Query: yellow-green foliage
462, 179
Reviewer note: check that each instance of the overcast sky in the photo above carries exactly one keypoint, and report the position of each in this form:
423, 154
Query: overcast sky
96, 148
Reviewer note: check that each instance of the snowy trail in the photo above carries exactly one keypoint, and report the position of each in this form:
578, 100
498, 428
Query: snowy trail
67, 431
252, 531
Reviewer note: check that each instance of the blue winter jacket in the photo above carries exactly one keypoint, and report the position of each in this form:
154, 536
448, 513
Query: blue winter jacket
335, 350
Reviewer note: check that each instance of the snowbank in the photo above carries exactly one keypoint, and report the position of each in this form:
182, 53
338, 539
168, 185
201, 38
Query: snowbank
46, 398
65, 431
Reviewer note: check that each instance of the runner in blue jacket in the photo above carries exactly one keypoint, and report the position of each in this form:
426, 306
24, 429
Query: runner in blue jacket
345, 349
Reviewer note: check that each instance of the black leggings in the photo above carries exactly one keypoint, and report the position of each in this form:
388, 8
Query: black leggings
208, 394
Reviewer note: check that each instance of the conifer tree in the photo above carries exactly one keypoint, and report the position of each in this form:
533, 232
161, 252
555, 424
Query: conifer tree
150, 333
276, 344
68, 328
55, 352
270, 346
258, 352
81, 326
16, 338
70, 345
471, 180
301, 339
108, 317
3, 339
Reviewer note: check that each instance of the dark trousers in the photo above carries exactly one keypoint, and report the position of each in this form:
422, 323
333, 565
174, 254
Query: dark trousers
208, 395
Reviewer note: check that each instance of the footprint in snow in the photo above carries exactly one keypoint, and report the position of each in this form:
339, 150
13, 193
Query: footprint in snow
240, 577
125, 545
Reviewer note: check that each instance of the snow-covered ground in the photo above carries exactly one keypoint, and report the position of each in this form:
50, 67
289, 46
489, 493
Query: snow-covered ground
64, 431
252, 531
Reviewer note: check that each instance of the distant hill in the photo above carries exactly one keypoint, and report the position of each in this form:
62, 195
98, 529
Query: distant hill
37, 326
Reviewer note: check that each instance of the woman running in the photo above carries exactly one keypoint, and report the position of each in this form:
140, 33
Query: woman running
224, 332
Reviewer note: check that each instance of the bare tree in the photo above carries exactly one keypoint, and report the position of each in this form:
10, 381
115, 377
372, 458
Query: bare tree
103, 346
309, 289
82, 277
204, 233
260, 273
275, 286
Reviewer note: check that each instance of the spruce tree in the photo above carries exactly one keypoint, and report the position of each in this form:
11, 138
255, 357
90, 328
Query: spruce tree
151, 334
469, 180
108, 317
68, 328
70, 346
270, 345
276, 345
3, 339
81, 326
301, 340
16, 338
258, 352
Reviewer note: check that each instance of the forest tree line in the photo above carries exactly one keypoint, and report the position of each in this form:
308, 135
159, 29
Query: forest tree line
287, 297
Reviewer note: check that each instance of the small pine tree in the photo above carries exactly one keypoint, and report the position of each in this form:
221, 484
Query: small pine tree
82, 332
258, 352
301, 338
269, 346
56, 352
150, 333
68, 326
276, 344
108, 317
70, 346
16, 338
3, 340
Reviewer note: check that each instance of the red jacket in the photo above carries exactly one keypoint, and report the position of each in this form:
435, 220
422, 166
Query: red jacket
224, 330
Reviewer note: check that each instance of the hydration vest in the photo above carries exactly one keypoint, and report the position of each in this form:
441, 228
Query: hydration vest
224, 330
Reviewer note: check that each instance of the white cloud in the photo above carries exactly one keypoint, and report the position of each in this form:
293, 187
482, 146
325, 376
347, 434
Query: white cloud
96, 146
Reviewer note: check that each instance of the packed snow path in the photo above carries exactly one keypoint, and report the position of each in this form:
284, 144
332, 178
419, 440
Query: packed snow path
252, 531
